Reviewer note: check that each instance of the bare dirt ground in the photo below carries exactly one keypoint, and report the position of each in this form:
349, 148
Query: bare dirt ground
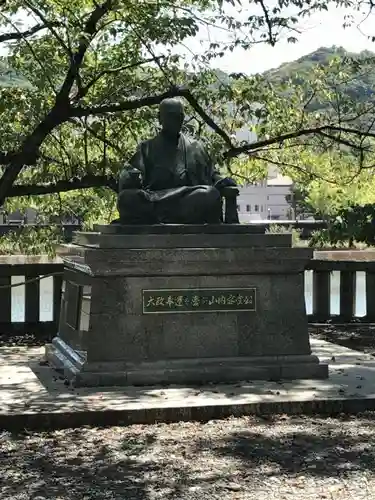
251, 458
354, 336
245, 458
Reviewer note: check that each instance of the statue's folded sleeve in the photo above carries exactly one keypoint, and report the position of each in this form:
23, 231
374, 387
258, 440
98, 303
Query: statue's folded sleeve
212, 173
132, 175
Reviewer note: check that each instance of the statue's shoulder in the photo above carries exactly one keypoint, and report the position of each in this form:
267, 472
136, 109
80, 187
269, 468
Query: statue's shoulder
150, 144
145, 144
192, 142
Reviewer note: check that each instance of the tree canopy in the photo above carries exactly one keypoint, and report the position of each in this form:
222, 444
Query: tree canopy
95, 70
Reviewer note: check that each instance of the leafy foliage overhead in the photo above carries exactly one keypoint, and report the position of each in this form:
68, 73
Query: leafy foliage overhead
93, 72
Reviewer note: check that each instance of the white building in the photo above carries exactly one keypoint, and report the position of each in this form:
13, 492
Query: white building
265, 199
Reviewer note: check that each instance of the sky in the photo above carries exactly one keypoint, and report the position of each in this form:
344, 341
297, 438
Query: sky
323, 29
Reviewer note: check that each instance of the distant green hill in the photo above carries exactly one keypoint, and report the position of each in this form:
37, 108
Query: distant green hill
304, 64
359, 88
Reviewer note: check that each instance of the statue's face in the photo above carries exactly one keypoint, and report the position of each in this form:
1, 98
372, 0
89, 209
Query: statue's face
171, 116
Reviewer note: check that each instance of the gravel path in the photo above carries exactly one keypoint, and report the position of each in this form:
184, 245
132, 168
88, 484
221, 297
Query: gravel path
246, 458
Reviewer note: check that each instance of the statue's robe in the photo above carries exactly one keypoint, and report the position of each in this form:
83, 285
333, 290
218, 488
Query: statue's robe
175, 184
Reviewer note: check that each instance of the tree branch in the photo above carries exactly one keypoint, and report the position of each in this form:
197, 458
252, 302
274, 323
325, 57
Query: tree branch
31, 49
86, 182
104, 140
20, 35
84, 43
245, 148
340, 140
210, 122
298, 168
84, 90
268, 22
132, 104
61, 108
7, 157
233, 152
128, 105
48, 25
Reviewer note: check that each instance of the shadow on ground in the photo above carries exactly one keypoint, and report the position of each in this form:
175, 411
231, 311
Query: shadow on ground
237, 458
358, 337
327, 448
76, 464
30, 389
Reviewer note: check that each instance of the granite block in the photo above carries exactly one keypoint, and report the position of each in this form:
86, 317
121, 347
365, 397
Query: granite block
304, 371
123, 294
181, 229
184, 371
118, 309
124, 342
98, 240
191, 261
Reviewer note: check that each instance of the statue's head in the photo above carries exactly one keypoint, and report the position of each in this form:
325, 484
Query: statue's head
171, 116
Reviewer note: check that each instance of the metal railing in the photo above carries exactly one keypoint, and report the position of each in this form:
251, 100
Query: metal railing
31, 288
353, 281
22, 279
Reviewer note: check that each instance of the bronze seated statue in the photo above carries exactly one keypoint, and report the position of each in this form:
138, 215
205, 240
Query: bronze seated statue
171, 179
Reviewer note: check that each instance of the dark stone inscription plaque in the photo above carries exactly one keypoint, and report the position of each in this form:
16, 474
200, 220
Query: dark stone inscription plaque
198, 300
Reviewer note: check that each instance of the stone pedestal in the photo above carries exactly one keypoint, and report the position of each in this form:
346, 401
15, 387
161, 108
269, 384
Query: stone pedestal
181, 305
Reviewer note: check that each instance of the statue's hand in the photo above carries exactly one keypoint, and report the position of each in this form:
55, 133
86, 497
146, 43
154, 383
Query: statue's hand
130, 179
135, 175
226, 182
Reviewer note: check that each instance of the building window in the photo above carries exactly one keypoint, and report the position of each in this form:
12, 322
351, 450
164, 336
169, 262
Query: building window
256, 208
248, 208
